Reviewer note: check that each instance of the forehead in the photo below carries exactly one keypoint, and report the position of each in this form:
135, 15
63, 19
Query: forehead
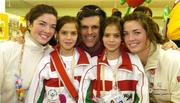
92, 20
111, 28
48, 18
130, 25
69, 26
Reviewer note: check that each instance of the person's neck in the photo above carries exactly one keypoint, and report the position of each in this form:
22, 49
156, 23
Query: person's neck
68, 52
112, 55
91, 50
144, 56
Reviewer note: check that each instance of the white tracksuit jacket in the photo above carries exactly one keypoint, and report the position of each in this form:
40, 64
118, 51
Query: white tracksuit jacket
132, 82
163, 72
45, 84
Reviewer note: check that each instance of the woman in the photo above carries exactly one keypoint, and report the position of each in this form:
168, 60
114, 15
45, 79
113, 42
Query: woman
118, 76
60, 72
18, 61
162, 67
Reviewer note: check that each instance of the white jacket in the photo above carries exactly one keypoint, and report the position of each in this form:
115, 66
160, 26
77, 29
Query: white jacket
9, 59
131, 80
48, 78
163, 71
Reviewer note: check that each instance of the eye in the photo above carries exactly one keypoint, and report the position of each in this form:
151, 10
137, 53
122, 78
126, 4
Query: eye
117, 35
63, 32
53, 27
125, 33
84, 27
42, 24
74, 33
106, 35
137, 33
95, 27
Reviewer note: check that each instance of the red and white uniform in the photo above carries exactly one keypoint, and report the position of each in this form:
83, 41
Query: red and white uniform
47, 85
131, 80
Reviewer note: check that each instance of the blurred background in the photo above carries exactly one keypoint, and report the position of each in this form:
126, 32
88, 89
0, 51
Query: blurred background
17, 9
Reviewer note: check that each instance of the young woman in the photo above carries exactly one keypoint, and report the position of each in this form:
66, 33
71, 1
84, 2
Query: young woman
118, 76
162, 67
58, 77
18, 61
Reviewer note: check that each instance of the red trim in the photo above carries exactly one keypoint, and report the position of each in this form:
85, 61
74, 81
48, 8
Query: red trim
54, 82
66, 81
98, 79
124, 85
83, 59
126, 61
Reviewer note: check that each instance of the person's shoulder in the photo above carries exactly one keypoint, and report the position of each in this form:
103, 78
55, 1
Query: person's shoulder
9, 46
170, 52
170, 56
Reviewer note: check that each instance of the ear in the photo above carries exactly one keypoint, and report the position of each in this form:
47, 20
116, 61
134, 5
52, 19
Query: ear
56, 35
29, 25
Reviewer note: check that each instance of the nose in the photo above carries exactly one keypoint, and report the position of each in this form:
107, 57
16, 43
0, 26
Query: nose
69, 36
129, 37
111, 38
89, 30
47, 29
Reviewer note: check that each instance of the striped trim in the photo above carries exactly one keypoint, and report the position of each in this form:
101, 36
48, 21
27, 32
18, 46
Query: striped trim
141, 95
123, 85
54, 82
39, 81
41, 97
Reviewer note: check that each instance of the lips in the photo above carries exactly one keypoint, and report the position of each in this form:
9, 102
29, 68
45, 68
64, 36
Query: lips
90, 38
44, 36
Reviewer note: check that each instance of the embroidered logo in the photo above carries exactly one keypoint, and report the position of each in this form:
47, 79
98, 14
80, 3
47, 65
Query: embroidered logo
128, 96
52, 93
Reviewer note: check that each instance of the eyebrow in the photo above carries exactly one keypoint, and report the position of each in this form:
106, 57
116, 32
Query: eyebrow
46, 22
136, 29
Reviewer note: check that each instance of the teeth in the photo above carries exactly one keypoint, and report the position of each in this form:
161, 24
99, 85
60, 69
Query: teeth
133, 45
44, 36
90, 37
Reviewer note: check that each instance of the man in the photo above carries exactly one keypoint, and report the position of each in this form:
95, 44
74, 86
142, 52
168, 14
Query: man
91, 19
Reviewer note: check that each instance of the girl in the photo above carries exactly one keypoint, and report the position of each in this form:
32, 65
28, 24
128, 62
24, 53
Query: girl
162, 67
58, 76
18, 61
118, 76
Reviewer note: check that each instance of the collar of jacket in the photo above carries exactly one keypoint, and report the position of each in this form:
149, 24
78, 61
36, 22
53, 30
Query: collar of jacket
83, 59
126, 62
153, 57
34, 45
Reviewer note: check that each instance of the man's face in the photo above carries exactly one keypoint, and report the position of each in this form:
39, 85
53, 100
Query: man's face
90, 28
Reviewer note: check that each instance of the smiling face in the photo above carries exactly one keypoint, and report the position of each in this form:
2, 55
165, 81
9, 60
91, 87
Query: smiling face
43, 28
67, 36
112, 38
90, 27
135, 37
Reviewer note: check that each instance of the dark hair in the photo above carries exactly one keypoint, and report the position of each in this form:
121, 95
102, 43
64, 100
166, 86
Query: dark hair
91, 10
39, 10
64, 20
143, 9
151, 28
113, 21
117, 13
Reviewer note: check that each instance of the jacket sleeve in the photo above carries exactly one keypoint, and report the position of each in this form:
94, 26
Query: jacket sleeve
142, 89
86, 84
1, 71
174, 73
37, 88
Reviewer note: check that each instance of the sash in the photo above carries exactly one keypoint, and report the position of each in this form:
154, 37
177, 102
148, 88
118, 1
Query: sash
65, 78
